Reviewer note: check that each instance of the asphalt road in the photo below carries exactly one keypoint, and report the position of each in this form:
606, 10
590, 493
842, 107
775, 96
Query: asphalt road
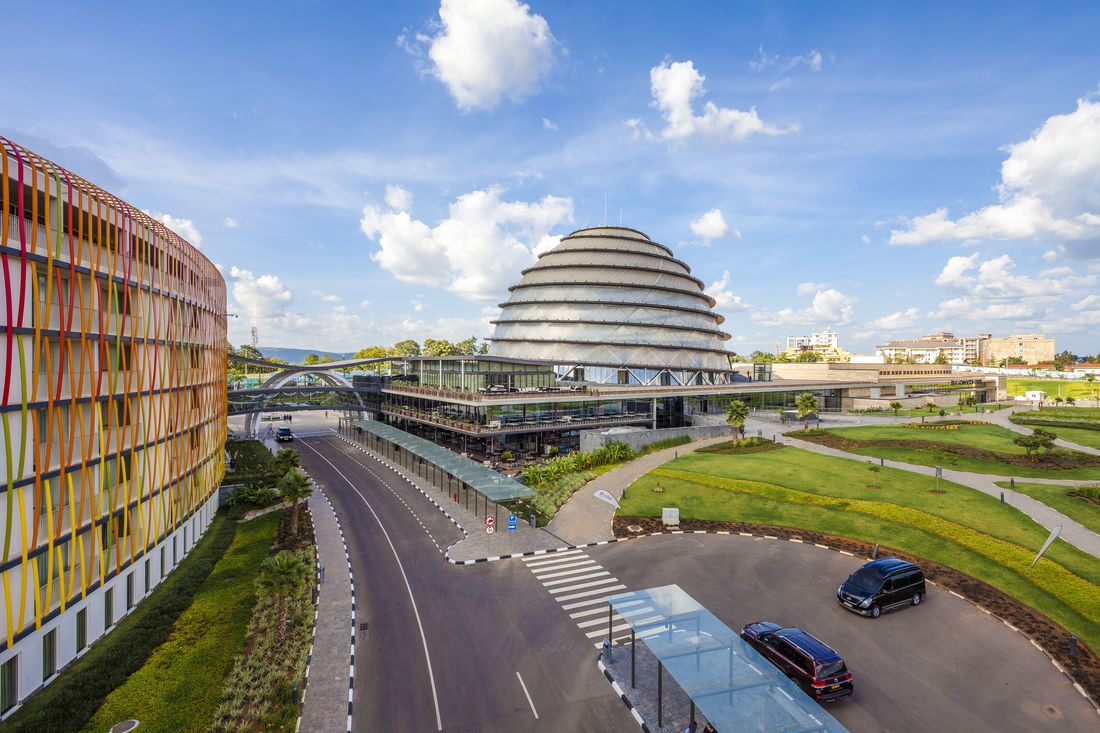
492, 634
943, 666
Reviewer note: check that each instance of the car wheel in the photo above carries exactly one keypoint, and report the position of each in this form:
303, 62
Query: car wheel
917, 599
875, 611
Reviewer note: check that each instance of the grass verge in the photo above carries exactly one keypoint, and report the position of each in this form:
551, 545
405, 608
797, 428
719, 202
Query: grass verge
72, 699
178, 688
1075, 388
1057, 497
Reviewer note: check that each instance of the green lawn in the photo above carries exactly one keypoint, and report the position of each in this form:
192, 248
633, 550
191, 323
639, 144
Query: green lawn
1076, 388
179, 687
1056, 497
988, 437
918, 412
1080, 435
961, 528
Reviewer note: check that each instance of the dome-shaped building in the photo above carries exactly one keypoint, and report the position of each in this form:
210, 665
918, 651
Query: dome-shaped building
612, 297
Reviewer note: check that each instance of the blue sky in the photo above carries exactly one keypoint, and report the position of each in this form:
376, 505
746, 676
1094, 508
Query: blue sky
365, 173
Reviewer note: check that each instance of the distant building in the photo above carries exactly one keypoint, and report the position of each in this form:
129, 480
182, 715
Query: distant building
1033, 348
826, 344
923, 351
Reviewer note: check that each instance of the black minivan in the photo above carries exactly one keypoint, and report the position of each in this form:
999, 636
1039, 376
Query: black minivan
882, 585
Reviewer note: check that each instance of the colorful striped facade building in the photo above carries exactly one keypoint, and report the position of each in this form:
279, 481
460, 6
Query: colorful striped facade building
112, 412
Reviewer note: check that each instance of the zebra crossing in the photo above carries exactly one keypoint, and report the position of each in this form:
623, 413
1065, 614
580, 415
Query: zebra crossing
581, 586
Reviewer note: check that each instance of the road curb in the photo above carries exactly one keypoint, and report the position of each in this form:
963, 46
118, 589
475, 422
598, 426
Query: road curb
622, 695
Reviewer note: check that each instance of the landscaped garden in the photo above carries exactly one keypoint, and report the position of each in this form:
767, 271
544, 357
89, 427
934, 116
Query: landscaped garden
959, 528
1079, 425
964, 409
975, 447
1080, 503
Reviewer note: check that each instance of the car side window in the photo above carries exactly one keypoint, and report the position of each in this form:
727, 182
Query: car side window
907, 580
889, 586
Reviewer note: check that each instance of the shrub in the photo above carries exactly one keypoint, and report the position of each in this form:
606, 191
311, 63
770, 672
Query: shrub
253, 496
664, 443
71, 700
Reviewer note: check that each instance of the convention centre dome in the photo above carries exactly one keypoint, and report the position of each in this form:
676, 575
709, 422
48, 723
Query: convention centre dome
611, 296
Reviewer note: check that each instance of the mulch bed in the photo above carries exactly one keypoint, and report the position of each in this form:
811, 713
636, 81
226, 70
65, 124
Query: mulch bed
1055, 461
1085, 668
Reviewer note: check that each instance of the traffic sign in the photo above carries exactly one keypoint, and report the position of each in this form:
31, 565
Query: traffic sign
512, 527
490, 521
489, 529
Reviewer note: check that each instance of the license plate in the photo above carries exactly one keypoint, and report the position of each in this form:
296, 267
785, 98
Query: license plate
835, 687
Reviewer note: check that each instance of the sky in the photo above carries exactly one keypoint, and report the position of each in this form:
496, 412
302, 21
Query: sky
364, 173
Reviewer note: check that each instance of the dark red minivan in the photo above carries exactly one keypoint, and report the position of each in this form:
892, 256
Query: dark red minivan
803, 657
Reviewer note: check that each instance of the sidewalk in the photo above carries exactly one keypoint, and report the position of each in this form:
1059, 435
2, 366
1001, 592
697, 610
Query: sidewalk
326, 705
1001, 418
585, 519
1072, 532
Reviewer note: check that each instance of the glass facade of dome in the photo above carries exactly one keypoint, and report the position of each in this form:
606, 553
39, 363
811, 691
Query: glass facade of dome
611, 296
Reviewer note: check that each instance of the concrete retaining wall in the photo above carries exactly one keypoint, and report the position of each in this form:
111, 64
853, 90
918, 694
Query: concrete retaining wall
638, 439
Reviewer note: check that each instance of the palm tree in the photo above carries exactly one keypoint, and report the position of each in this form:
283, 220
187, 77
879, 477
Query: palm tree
293, 487
806, 404
1071, 401
930, 405
1058, 401
280, 576
736, 415
286, 459
895, 406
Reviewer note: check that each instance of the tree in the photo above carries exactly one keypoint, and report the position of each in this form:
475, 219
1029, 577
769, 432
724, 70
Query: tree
808, 357
736, 415
438, 347
315, 359
466, 346
806, 404
1058, 401
895, 406
930, 405
1045, 438
250, 352
941, 357
1029, 443
286, 459
280, 576
408, 347
1071, 401
761, 357
293, 487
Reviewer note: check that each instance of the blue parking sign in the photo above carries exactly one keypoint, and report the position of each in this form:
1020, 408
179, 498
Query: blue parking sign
511, 522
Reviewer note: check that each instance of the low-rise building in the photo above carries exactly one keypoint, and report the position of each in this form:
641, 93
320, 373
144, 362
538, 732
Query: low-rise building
1033, 348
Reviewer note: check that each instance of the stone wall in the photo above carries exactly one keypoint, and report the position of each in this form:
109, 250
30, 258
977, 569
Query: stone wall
638, 439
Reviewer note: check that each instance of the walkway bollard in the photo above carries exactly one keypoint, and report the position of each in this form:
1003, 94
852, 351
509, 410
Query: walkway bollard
882, 461
607, 651
874, 552
1073, 646
1002, 497
1012, 483
534, 522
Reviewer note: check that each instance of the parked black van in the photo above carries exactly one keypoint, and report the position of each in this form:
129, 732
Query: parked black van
882, 585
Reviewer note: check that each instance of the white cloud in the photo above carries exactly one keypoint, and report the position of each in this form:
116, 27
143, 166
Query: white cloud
1053, 254
418, 305
829, 307
397, 197
183, 227
865, 239
675, 85
1089, 302
230, 223
548, 124
812, 60
894, 321
364, 304
712, 225
725, 300
810, 287
1050, 187
486, 50
638, 130
328, 297
780, 85
477, 251
262, 298
954, 272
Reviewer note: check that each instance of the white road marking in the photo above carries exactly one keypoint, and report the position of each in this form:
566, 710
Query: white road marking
559, 581
528, 694
601, 620
578, 586
423, 638
595, 592
589, 565
603, 632
579, 604
560, 558
589, 612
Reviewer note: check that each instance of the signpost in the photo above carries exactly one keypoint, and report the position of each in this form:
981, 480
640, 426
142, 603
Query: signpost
512, 526
490, 525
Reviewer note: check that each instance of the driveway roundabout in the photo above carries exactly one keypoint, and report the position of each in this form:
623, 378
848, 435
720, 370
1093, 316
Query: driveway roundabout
944, 665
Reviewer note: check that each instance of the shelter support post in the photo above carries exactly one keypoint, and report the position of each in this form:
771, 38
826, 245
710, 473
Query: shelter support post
633, 685
660, 695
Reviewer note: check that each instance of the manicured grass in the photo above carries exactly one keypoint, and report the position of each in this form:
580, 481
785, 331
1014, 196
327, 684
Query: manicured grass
254, 463
961, 528
987, 437
179, 687
1076, 388
1079, 425
1080, 436
1073, 413
1055, 496
966, 410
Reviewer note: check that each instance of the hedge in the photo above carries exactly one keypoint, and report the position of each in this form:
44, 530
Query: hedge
68, 703
1074, 591
1082, 424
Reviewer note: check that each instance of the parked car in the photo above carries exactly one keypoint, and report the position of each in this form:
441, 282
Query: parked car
882, 585
803, 657
283, 435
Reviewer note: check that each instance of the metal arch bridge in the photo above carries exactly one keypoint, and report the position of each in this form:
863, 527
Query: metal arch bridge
278, 394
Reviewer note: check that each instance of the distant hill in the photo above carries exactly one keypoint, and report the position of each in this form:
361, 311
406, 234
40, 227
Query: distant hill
296, 356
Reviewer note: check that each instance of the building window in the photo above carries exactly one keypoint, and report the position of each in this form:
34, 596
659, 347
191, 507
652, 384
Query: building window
148, 574
49, 654
163, 555
130, 590
81, 629
108, 608
9, 684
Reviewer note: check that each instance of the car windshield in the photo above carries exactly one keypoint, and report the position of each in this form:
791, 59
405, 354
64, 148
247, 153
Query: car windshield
865, 583
830, 669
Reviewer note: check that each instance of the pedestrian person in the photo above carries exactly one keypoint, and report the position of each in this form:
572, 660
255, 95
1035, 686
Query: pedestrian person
692, 727
710, 729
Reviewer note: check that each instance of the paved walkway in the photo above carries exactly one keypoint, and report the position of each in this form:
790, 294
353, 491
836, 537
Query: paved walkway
327, 702
1001, 418
584, 518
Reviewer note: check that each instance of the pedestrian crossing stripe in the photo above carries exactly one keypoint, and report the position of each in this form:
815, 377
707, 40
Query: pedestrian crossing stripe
581, 586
